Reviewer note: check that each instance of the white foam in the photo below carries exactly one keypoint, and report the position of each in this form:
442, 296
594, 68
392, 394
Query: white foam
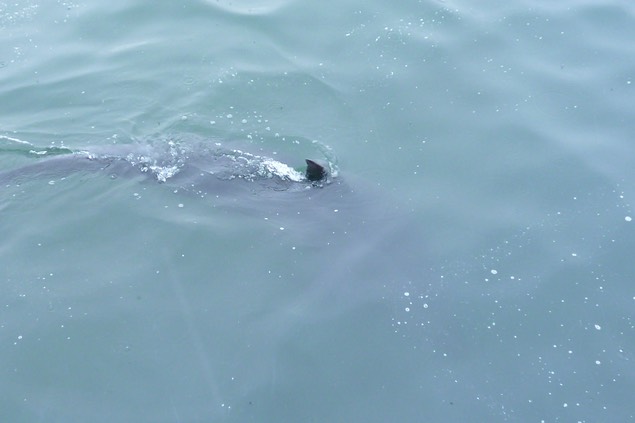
281, 170
163, 173
39, 153
19, 141
266, 166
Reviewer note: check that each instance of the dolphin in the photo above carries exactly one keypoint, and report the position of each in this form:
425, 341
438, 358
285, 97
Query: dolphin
179, 168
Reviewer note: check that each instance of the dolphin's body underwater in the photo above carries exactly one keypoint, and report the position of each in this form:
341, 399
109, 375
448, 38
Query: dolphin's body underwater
186, 170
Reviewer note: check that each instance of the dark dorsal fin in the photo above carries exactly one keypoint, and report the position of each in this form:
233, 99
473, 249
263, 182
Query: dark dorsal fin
314, 171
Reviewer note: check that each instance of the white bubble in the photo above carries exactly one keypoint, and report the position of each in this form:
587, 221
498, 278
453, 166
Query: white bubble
628, 218
494, 271
406, 294
598, 327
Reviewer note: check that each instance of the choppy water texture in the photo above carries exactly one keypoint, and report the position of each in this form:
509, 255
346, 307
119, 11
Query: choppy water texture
469, 259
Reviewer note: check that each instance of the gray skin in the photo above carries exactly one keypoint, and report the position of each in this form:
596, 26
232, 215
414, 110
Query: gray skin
223, 178
62, 166
194, 174
226, 179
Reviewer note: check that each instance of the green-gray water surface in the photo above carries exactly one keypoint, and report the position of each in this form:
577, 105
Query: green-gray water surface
471, 259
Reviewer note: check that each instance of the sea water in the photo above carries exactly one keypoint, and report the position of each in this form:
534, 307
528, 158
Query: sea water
470, 260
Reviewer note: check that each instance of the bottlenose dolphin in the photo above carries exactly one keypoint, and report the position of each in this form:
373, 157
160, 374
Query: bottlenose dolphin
176, 166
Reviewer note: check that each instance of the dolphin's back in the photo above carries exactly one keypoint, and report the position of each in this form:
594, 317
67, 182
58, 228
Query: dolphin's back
62, 166
191, 172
